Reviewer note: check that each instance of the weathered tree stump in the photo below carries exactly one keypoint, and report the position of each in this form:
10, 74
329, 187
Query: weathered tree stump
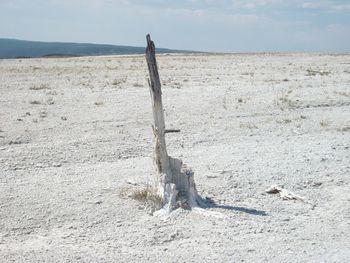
175, 181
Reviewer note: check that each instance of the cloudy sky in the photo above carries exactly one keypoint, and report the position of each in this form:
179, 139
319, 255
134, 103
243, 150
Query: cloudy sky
207, 25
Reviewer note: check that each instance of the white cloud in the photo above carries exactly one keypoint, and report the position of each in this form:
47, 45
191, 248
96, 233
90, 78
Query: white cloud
334, 6
254, 4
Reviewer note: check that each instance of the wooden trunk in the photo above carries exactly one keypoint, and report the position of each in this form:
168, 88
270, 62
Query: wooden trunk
175, 181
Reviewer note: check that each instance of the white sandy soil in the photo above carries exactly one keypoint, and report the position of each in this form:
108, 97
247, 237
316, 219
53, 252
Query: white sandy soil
75, 136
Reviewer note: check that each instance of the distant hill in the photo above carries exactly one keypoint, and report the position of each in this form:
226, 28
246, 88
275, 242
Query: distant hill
13, 48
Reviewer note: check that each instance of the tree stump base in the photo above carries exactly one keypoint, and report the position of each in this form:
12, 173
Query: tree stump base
181, 191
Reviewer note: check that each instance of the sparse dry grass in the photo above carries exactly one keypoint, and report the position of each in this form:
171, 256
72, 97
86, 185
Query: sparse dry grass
312, 72
345, 127
137, 85
284, 102
148, 197
345, 94
284, 121
324, 123
248, 125
119, 82
35, 102
39, 87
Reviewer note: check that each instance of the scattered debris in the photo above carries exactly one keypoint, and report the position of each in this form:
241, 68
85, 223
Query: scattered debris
284, 194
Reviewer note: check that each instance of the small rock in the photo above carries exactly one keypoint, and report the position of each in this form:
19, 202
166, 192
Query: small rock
35, 102
50, 101
274, 189
316, 184
131, 182
43, 114
50, 92
56, 165
174, 235
18, 140
63, 118
39, 165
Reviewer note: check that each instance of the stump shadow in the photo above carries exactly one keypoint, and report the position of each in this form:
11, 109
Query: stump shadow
210, 203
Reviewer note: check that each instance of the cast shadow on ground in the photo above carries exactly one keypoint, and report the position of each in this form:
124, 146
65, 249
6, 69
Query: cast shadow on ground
210, 203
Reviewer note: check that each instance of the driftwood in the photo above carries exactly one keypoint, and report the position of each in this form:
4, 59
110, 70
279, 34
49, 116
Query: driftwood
284, 194
175, 181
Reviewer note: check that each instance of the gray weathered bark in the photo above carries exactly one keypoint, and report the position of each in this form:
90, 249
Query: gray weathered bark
175, 180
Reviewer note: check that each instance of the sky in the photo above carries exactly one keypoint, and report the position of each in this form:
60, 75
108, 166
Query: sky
203, 25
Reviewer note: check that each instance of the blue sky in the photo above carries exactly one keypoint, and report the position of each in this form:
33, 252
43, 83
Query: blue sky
207, 25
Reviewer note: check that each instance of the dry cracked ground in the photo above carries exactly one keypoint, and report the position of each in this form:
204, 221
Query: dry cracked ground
76, 140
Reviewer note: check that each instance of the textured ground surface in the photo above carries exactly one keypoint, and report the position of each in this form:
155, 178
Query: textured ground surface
75, 135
